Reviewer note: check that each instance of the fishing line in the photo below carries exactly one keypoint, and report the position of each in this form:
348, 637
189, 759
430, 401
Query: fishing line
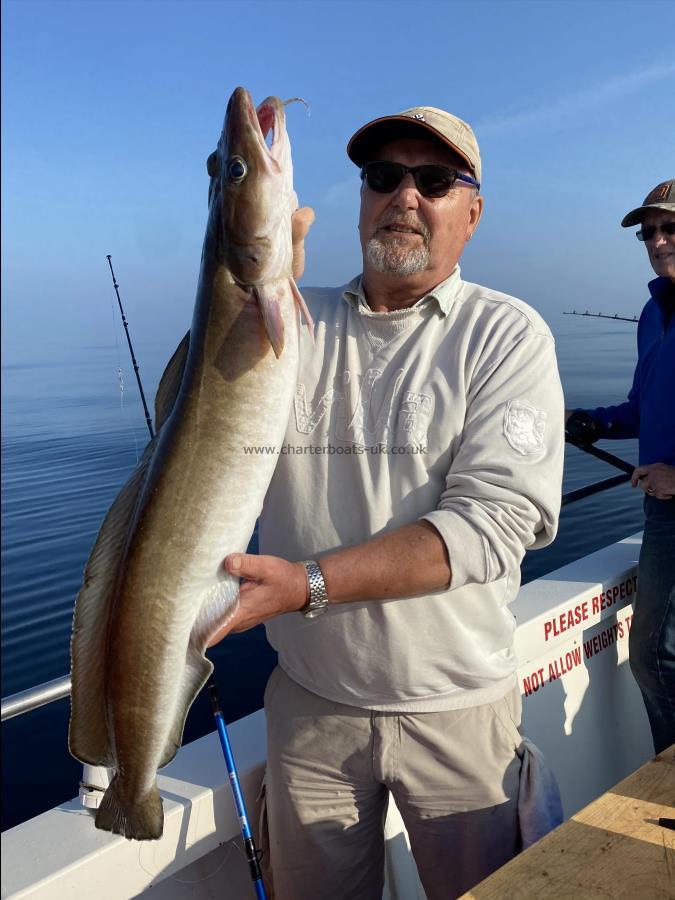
131, 349
230, 845
120, 380
120, 374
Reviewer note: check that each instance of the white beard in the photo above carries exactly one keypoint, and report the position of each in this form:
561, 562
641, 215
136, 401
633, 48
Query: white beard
392, 258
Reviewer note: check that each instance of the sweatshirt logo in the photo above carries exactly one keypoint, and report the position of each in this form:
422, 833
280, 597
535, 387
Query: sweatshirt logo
524, 427
398, 418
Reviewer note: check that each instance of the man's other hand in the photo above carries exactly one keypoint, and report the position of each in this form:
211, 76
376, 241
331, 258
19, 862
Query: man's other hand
301, 222
271, 586
657, 480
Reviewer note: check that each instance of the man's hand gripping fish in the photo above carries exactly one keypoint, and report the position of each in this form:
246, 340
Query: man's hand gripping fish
154, 589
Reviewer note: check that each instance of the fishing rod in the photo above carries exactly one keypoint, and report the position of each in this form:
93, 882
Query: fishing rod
615, 461
148, 420
580, 493
590, 489
252, 854
601, 454
601, 316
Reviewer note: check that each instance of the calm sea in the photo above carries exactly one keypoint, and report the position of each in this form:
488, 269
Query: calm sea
73, 429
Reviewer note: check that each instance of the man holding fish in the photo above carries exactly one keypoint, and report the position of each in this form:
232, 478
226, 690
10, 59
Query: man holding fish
427, 448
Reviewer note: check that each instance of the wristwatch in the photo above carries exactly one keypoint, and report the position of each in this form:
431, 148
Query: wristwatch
318, 597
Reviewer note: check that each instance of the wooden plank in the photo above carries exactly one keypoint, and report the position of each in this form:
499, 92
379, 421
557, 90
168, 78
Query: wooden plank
613, 848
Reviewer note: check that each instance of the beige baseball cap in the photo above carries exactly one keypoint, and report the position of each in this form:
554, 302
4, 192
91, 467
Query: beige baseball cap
661, 197
450, 130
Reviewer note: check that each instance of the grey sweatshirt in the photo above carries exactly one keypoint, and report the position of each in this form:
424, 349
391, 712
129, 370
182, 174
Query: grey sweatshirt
449, 411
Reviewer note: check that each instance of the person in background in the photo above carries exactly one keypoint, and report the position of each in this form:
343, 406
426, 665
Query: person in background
425, 457
649, 414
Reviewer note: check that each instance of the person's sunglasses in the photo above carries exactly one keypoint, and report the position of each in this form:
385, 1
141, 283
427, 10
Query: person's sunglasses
430, 180
648, 232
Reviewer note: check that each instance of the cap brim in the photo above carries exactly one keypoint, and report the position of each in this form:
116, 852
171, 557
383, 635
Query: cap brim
371, 136
635, 216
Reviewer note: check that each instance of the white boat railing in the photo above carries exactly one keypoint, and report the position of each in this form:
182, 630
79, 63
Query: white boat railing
32, 698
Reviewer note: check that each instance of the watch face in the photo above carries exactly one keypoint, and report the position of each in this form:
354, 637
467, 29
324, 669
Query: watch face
315, 611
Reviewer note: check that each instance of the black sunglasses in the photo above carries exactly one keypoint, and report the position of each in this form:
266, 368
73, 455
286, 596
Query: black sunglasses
430, 180
648, 232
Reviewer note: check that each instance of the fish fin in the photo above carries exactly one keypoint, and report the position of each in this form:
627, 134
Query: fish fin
217, 608
170, 382
218, 605
142, 820
88, 738
195, 675
269, 301
302, 307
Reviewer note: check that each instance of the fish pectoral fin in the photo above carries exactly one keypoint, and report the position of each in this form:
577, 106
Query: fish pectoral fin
302, 307
170, 382
269, 299
88, 738
217, 607
195, 675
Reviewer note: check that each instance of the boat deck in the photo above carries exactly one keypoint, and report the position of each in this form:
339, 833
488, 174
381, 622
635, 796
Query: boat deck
614, 847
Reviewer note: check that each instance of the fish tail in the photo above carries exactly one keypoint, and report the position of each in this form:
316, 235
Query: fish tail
142, 820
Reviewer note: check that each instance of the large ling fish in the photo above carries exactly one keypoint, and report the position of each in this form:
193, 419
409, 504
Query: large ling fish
154, 588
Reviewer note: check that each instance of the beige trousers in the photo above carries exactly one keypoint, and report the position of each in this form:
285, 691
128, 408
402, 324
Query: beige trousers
330, 769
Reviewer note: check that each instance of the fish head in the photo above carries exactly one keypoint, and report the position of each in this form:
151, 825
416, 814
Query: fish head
251, 190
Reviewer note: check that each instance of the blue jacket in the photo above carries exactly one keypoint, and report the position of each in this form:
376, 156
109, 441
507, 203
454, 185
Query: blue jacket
649, 413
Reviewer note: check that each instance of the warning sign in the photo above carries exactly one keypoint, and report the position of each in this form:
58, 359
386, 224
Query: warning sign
560, 664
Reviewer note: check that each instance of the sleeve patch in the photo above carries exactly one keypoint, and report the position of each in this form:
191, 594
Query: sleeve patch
524, 427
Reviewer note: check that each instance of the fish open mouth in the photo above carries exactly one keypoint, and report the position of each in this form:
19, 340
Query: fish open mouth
271, 117
267, 122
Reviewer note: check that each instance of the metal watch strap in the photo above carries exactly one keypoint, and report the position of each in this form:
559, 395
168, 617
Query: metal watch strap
318, 597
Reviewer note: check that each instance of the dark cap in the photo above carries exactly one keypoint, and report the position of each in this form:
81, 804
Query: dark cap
661, 197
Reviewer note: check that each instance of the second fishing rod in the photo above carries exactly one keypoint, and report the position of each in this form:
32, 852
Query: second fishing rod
587, 491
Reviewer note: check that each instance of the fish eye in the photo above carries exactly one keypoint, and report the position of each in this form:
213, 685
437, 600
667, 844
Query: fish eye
237, 169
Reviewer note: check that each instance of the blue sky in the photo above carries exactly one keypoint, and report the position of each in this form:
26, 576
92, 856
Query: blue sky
111, 108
